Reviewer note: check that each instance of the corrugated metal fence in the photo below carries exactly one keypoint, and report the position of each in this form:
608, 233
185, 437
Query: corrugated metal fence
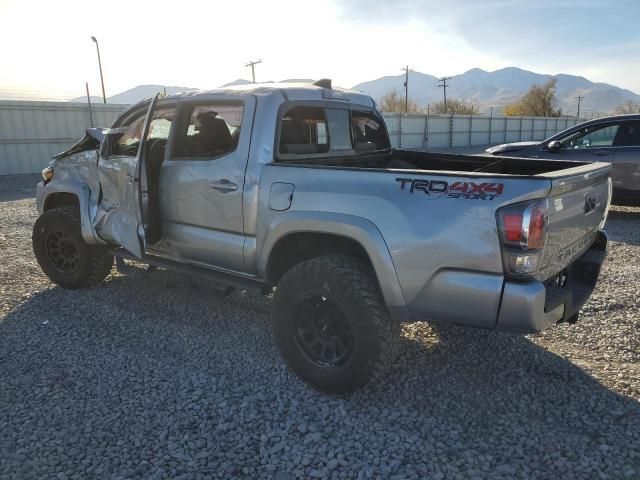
425, 132
32, 132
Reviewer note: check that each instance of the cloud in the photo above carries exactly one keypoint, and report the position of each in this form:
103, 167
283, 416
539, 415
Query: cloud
550, 36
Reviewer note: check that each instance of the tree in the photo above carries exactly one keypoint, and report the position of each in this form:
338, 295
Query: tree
627, 107
393, 102
456, 107
539, 101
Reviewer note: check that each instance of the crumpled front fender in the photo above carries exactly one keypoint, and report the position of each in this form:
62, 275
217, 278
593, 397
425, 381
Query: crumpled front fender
82, 193
75, 174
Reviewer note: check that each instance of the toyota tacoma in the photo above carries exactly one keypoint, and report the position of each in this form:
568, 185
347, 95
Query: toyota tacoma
294, 189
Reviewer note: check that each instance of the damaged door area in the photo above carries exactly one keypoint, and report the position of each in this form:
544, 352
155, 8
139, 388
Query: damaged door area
123, 181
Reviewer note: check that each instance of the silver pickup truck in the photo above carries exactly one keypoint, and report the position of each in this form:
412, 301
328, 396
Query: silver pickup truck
296, 187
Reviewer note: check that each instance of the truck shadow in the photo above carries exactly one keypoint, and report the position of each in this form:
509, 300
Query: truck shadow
150, 341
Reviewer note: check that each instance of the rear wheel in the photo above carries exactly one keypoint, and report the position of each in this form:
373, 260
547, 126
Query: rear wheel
331, 324
63, 254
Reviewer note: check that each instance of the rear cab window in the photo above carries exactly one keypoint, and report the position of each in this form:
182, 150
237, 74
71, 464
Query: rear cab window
324, 131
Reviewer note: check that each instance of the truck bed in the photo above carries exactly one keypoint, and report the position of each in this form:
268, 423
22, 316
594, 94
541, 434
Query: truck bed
444, 162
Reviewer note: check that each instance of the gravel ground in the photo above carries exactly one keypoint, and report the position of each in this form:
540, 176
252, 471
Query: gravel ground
158, 377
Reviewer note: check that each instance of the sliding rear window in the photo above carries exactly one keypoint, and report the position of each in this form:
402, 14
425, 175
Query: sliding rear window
310, 131
369, 132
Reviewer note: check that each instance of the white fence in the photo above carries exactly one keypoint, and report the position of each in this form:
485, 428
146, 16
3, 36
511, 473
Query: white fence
427, 132
32, 132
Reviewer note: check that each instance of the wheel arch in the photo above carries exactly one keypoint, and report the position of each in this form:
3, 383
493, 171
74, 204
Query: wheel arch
298, 236
61, 199
57, 194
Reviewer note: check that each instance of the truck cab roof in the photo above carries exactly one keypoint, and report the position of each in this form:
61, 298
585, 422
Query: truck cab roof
289, 92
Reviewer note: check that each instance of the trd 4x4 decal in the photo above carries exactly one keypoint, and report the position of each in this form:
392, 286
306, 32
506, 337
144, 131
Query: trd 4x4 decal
468, 190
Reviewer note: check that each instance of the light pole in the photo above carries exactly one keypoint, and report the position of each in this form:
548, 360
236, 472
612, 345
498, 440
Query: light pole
95, 40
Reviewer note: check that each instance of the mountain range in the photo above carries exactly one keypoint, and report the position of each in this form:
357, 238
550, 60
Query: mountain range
501, 87
487, 89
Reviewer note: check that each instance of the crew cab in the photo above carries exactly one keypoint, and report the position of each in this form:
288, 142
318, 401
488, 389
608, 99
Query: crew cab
294, 189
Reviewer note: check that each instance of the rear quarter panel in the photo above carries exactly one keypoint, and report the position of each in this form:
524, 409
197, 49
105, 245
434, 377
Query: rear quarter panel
429, 234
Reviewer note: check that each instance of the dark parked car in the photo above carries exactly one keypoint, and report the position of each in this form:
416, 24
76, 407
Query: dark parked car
610, 139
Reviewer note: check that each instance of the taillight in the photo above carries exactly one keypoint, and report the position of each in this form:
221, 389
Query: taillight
523, 233
512, 226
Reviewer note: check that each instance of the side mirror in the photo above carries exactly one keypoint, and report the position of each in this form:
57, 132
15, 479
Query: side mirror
554, 146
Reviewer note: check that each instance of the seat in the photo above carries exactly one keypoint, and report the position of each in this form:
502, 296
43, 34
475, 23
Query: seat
214, 136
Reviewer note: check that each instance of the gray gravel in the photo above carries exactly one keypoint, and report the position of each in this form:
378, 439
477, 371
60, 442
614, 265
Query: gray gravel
158, 377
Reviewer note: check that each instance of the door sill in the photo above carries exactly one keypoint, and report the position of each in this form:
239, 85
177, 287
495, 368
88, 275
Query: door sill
230, 278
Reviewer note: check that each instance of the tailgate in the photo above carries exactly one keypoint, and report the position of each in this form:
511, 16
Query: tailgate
578, 202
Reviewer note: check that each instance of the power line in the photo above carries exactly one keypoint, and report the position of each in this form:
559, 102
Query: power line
442, 83
253, 71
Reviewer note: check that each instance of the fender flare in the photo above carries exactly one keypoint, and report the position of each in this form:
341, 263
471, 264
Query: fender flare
358, 229
83, 193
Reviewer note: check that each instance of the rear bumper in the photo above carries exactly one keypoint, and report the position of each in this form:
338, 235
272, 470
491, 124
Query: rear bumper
528, 307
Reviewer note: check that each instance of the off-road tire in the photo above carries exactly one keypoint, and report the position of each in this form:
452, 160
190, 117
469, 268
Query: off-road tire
352, 286
92, 264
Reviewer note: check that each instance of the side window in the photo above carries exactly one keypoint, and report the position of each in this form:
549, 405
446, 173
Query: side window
159, 128
125, 139
628, 135
591, 137
208, 130
368, 132
303, 130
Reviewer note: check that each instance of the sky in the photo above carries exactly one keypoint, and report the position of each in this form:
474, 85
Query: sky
47, 50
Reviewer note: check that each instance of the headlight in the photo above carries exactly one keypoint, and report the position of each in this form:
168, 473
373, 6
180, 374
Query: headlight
47, 174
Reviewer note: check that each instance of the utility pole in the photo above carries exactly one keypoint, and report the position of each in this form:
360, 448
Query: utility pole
580, 98
253, 70
406, 88
86, 84
442, 83
95, 40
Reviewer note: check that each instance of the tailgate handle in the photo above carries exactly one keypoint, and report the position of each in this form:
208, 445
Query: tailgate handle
590, 202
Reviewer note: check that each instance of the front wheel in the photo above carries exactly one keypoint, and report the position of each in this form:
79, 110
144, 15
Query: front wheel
331, 324
63, 254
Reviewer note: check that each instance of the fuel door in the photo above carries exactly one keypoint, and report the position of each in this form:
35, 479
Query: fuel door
281, 196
